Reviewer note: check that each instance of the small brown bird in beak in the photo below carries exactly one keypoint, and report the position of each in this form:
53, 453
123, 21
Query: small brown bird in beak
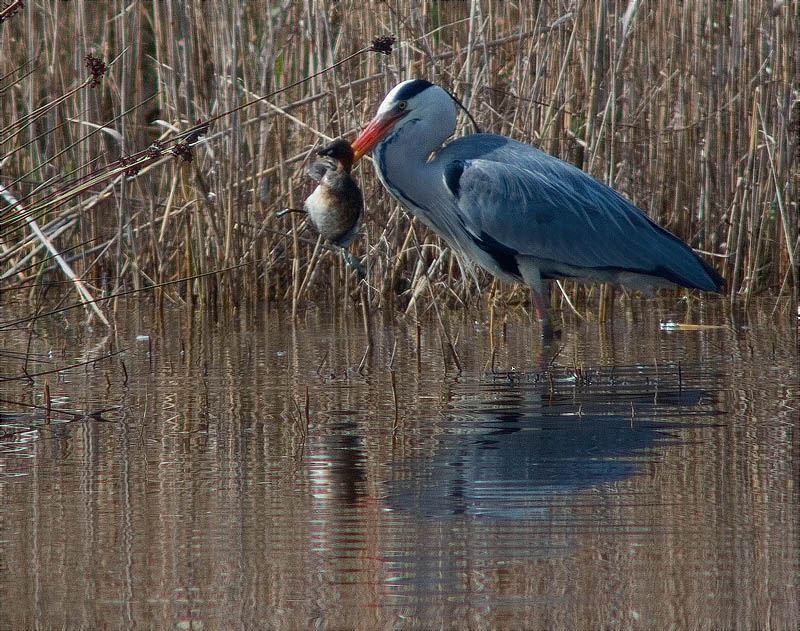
336, 205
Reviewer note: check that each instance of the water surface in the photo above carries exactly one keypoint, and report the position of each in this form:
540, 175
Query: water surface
260, 473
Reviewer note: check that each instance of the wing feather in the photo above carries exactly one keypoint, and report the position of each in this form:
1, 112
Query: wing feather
538, 206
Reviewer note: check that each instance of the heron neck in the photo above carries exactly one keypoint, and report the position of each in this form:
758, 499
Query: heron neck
401, 161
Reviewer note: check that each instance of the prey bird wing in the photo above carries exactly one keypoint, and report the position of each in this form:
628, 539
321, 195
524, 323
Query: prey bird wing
317, 169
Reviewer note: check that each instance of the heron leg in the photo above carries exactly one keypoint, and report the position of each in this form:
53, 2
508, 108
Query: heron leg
532, 277
540, 307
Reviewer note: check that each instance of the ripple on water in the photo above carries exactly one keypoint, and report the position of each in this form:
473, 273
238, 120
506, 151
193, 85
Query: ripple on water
257, 475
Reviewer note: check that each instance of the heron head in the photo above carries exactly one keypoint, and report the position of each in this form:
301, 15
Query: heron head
413, 100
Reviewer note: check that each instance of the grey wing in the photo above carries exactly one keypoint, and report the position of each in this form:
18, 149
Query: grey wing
559, 214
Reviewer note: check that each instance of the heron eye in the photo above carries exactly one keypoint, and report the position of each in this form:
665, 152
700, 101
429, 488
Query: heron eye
402, 105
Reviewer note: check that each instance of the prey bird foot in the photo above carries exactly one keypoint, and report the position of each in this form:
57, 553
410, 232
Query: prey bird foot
355, 263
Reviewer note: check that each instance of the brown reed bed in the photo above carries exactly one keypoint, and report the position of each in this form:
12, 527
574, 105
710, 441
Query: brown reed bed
690, 110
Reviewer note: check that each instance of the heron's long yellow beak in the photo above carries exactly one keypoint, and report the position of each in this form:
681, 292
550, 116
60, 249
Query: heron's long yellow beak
373, 133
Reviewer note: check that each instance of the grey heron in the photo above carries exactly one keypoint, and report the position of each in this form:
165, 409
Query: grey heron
516, 211
336, 204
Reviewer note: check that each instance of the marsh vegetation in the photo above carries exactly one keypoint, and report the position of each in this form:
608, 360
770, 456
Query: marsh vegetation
691, 110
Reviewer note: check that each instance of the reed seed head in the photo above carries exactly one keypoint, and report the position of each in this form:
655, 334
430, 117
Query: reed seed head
97, 67
7, 11
383, 44
154, 151
183, 151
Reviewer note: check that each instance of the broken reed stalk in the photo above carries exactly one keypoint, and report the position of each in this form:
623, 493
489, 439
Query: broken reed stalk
86, 297
306, 407
394, 400
47, 406
28, 375
365, 314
